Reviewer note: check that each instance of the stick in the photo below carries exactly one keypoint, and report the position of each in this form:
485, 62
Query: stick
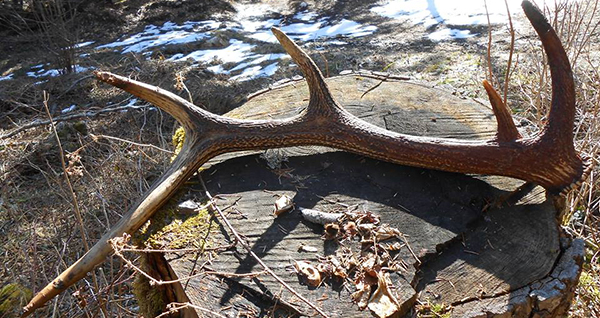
249, 249
73, 197
58, 119
510, 55
131, 142
175, 307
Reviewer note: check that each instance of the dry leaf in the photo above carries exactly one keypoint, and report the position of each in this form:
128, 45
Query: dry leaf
361, 296
383, 303
307, 248
310, 272
331, 230
385, 232
283, 204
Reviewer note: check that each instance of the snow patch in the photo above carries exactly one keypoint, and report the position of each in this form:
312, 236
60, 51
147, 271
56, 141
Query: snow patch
38, 71
448, 13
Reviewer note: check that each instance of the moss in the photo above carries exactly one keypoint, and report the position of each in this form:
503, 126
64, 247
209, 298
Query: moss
167, 229
151, 299
177, 140
13, 297
80, 127
180, 231
590, 286
430, 309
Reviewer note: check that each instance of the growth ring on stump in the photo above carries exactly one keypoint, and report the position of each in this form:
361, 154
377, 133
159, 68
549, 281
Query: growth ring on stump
473, 243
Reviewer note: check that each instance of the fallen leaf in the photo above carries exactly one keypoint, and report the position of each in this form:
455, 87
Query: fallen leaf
307, 248
310, 273
361, 296
283, 204
383, 303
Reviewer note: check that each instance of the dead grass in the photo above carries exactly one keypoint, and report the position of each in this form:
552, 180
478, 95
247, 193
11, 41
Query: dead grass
36, 219
578, 25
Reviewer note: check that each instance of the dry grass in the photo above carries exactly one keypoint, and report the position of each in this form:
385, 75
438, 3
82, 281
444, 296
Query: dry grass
108, 174
111, 159
578, 25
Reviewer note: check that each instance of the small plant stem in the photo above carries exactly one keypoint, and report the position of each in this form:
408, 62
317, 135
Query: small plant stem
510, 55
249, 250
489, 47
73, 197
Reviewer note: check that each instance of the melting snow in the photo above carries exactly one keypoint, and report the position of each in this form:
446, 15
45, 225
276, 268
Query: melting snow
168, 34
445, 34
448, 13
83, 44
40, 72
235, 52
69, 109
250, 22
464, 12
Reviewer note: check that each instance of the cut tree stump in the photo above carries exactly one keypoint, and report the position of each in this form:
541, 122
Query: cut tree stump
487, 246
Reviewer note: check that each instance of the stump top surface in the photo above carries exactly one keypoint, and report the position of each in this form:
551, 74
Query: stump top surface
459, 251
398, 105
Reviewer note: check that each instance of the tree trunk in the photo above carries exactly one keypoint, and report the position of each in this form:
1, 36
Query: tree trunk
477, 246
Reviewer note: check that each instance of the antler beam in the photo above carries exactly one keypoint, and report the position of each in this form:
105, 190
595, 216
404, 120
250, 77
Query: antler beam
549, 159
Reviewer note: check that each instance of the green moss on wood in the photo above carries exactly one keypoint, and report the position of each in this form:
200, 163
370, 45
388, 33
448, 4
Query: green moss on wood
151, 299
170, 229
177, 140
173, 231
13, 297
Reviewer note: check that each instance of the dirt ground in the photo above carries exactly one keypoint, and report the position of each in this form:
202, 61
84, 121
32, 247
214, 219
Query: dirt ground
39, 232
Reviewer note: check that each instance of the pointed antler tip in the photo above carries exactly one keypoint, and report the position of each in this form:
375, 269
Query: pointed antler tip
491, 91
486, 84
283, 39
106, 77
536, 17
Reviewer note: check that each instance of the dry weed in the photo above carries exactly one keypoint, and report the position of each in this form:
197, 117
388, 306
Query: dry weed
578, 25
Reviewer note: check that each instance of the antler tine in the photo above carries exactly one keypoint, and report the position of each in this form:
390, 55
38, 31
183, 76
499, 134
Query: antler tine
193, 119
548, 160
507, 131
562, 109
186, 113
320, 96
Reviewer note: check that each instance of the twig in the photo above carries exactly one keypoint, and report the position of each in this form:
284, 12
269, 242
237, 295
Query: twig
64, 167
179, 250
73, 196
58, 119
489, 48
131, 142
180, 85
374, 87
510, 55
410, 249
326, 63
175, 307
249, 250
118, 249
73, 85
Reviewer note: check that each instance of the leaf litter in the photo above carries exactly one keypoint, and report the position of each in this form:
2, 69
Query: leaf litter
367, 269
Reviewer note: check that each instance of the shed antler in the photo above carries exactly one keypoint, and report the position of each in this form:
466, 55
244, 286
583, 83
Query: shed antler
548, 159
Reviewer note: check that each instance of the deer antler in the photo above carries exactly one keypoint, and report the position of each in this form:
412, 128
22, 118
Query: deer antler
549, 159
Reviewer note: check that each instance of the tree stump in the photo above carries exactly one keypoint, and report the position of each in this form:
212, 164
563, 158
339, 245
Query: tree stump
477, 246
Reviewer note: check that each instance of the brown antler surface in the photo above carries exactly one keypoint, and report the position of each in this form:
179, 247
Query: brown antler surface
549, 159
